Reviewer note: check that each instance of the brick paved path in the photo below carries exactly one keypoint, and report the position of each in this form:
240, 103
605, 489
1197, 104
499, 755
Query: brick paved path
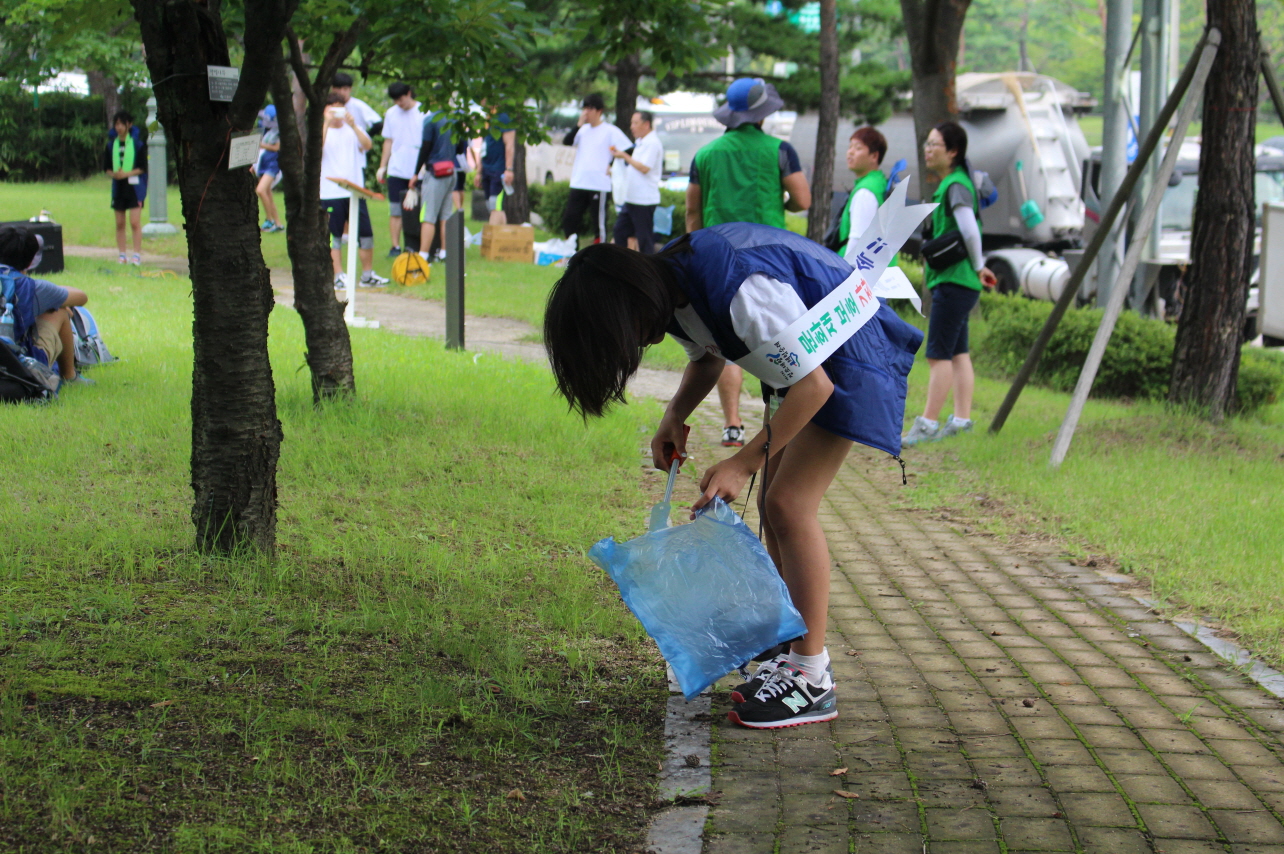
997, 702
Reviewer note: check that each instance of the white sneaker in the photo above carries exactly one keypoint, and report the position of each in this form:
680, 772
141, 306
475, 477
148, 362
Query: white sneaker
340, 281
922, 431
371, 279
954, 426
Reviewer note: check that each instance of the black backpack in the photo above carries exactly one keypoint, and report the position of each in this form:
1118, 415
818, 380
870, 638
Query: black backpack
16, 382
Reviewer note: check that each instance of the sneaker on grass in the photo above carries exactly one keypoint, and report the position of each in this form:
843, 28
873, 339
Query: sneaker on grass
787, 699
921, 431
394, 251
267, 225
371, 279
955, 426
733, 436
340, 281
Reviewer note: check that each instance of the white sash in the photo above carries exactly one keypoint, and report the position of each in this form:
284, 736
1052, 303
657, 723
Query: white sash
811, 339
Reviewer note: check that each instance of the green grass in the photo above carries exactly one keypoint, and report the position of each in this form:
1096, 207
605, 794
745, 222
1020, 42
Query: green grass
1194, 509
429, 638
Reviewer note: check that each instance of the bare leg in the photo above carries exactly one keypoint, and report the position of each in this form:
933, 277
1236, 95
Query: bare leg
120, 231
800, 475
264, 191
367, 259
964, 380
938, 386
729, 385
498, 218
394, 229
136, 226
633, 244
67, 359
337, 261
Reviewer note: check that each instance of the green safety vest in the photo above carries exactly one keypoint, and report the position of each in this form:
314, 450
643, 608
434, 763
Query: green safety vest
960, 272
876, 184
122, 154
740, 178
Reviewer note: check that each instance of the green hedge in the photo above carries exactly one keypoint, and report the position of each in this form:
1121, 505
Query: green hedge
60, 137
1138, 360
549, 201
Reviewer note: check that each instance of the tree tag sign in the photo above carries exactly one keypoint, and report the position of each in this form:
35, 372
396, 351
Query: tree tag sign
243, 150
223, 82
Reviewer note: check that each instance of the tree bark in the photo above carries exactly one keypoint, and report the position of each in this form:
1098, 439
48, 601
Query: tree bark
1207, 351
236, 437
307, 240
933, 29
628, 71
517, 207
822, 179
105, 85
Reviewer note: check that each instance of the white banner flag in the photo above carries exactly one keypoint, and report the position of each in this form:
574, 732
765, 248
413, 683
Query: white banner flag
826, 326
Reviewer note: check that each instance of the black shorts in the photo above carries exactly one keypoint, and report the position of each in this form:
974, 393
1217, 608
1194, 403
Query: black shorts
396, 192
636, 221
461, 180
125, 196
947, 326
338, 210
492, 185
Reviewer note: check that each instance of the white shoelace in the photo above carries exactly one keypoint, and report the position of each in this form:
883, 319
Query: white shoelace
778, 683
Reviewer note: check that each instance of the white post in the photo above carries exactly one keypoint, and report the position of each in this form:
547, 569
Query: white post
350, 310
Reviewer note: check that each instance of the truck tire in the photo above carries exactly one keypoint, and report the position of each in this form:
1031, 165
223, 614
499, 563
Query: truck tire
1006, 274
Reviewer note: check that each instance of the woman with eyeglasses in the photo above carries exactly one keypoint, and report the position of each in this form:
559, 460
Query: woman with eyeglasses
955, 288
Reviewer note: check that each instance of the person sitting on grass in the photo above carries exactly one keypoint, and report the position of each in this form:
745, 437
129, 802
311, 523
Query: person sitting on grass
42, 310
126, 161
723, 292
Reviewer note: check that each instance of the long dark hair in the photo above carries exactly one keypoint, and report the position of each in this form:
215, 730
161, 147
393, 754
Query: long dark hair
608, 306
955, 139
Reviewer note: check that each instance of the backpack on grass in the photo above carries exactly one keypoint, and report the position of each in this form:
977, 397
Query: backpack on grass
21, 379
90, 349
410, 268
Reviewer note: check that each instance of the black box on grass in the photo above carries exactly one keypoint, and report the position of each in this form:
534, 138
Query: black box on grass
51, 257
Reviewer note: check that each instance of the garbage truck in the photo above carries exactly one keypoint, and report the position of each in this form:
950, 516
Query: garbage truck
1023, 131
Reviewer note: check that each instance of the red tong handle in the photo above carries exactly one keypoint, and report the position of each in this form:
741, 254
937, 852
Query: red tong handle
675, 456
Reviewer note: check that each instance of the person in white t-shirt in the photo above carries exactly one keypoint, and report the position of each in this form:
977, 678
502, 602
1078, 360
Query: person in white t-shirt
343, 155
591, 174
633, 225
366, 116
402, 133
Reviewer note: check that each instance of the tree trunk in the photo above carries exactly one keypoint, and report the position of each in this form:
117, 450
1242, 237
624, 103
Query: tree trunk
628, 71
236, 437
307, 239
933, 29
517, 207
822, 179
1207, 351
105, 85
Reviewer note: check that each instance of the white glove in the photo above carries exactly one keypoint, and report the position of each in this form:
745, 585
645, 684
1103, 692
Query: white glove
380, 173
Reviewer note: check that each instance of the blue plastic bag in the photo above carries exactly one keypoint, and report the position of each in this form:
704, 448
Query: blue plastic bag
708, 593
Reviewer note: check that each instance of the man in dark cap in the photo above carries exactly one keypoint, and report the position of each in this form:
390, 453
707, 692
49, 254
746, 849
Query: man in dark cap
744, 175
41, 310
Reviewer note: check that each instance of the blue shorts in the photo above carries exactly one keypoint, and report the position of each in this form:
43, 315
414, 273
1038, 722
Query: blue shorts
947, 326
492, 186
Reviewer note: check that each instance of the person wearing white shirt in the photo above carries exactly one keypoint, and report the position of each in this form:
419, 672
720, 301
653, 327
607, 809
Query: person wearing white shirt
343, 155
402, 134
593, 139
633, 225
366, 116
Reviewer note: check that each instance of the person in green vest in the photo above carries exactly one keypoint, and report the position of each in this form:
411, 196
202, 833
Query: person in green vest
865, 152
745, 175
126, 161
955, 289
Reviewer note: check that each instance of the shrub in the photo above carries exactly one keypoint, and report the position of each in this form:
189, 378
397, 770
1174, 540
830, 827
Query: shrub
549, 201
59, 137
1137, 362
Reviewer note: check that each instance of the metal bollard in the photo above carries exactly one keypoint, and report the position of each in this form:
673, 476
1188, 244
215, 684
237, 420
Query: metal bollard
454, 244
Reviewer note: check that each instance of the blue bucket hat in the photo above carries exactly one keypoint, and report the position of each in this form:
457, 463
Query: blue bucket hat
749, 100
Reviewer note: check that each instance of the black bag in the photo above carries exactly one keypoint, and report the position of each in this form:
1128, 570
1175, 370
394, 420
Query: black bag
836, 206
944, 251
16, 382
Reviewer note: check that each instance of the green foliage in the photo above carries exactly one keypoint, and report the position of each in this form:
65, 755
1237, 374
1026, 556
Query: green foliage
43, 37
1138, 359
867, 90
549, 201
62, 139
